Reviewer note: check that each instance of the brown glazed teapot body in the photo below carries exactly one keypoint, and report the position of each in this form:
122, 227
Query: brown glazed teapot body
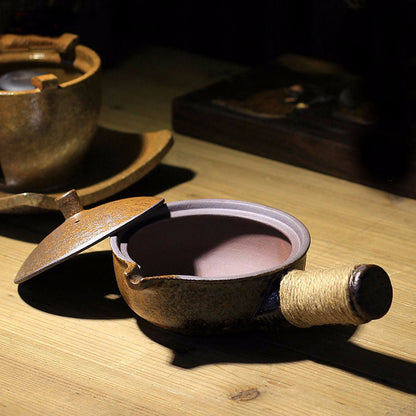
46, 130
209, 265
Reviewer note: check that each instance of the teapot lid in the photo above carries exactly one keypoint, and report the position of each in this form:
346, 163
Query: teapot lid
82, 229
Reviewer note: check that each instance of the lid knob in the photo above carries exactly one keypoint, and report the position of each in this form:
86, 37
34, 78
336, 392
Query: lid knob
69, 203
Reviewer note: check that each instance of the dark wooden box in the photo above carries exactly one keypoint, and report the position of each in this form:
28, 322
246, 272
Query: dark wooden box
318, 131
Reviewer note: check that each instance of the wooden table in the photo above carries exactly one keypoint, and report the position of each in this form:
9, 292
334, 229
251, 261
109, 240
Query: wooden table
70, 346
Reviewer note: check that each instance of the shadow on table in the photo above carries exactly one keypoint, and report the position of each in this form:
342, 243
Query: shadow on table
85, 287
81, 287
327, 345
162, 178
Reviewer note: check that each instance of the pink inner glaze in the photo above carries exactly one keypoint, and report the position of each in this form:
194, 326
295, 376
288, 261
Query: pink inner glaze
208, 246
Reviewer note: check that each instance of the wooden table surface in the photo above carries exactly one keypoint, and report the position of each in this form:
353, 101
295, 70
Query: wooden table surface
70, 346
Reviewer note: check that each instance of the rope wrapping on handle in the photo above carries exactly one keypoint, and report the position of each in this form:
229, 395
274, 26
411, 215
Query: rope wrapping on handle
318, 297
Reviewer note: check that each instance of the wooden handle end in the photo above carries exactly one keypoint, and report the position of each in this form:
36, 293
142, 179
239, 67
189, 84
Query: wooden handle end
371, 292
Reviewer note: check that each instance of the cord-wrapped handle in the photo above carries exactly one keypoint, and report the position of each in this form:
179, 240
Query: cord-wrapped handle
349, 295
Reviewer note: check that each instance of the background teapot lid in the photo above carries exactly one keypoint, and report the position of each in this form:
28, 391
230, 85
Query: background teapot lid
82, 229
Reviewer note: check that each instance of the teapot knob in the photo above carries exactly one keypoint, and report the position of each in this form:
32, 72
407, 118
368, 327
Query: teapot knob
69, 203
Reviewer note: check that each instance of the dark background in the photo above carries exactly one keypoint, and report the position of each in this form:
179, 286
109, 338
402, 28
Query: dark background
355, 33
372, 38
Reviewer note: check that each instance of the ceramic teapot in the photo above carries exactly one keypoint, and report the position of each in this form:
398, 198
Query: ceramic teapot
212, 265
50, 95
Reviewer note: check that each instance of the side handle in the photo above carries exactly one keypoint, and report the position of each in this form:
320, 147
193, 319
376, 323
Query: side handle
349, 295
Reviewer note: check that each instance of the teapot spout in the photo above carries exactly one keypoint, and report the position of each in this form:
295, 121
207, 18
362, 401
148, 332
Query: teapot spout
132, 275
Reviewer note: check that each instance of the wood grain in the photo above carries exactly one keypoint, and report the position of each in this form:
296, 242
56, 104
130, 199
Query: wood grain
69, 345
